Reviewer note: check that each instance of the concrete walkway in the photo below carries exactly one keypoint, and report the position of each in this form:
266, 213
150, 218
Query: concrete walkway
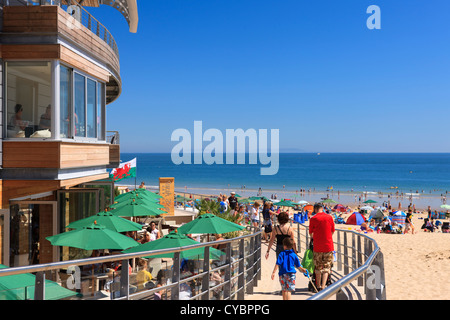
269, 289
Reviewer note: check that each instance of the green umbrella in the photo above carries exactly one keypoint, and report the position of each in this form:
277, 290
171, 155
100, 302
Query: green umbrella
285, 203
370, 201
148, 203
174, 240
329, 201
137, 195
209, 223
21, 287
148, 193
245, 200
93, 237
135, 209
109, 220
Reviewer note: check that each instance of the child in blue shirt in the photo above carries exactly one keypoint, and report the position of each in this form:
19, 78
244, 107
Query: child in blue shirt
287, 261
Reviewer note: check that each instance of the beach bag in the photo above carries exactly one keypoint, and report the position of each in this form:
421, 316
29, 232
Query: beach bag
268, 228
308, 261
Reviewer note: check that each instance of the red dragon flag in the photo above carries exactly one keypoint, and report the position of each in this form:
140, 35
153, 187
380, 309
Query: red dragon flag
125, 170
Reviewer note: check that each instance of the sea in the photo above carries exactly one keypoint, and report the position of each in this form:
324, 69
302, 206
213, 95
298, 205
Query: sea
407, 177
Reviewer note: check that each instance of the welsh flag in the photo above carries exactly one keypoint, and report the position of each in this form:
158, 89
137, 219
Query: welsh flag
125, 170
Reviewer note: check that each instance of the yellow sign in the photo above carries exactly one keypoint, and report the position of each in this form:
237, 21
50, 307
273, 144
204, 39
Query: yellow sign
167, 192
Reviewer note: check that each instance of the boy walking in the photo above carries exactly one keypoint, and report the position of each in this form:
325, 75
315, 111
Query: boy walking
287, 261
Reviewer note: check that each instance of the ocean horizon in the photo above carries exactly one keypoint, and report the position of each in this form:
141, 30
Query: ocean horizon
426, 173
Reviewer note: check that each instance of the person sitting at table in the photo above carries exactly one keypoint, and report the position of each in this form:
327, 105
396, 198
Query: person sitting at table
145, 238
46, 119
16, 123
143, 276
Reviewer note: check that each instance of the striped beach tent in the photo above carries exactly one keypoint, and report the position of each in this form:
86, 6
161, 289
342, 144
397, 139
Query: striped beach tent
399, 217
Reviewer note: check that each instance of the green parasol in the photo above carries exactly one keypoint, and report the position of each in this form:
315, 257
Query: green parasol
146, 202
93, 237
137, 194
209, 223
285, 203
171, 241
370, 201
109, 220
328, 201
21, 287
136, 209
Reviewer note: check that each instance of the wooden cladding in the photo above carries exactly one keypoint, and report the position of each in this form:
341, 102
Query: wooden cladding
49, 20
54, 154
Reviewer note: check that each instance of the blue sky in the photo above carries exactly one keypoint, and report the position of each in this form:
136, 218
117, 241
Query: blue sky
311, 69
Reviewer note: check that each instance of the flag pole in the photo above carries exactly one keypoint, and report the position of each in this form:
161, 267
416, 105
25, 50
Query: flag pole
135, 177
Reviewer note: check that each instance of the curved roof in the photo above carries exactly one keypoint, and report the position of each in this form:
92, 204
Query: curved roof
128, 8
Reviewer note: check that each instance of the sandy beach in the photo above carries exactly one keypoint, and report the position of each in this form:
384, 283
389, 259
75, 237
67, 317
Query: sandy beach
417, 266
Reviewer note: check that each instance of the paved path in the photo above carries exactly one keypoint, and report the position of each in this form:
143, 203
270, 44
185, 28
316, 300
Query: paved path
269, 289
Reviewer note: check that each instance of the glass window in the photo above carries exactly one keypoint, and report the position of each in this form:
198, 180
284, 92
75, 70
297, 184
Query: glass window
28, 105
91, 109
65, 101
80, 105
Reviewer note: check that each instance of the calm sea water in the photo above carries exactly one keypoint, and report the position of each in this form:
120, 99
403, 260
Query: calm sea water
344, 172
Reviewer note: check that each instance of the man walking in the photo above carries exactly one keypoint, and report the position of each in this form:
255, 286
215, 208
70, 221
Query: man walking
321, 229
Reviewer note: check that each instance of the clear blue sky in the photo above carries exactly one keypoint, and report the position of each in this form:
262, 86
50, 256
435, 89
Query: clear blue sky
309, 68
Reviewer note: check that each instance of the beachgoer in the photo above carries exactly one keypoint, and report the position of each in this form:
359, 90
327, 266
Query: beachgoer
286, 263
408, 223
280, 232
267, 217
142, 185
321, 230
221, 246
254, 214
233, 201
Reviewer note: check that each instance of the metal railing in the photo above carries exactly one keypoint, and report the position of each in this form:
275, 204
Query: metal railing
239, 270
78, 12
359, 258
113, 137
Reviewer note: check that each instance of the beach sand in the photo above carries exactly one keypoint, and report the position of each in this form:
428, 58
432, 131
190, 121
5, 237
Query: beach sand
417, 266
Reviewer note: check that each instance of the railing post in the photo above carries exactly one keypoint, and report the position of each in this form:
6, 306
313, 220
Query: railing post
339, 251
205, 279
299, 243
227, 276
124, 280
39, 289
258, 257
241, 277
360, 262
250, 271
381, 286
353, 252
175, 292
346, 267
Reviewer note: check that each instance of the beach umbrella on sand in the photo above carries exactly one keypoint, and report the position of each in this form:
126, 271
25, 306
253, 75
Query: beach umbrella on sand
285, 203
171, 241
328, 201
370, 201
209, 223
301, 202
21, 287
93, 237
135, 209
109, 220
367, 208
445, 206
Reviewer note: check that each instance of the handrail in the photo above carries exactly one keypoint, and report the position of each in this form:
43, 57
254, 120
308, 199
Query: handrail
372, 267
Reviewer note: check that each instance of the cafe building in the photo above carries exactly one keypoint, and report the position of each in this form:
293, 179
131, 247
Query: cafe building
59, 71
